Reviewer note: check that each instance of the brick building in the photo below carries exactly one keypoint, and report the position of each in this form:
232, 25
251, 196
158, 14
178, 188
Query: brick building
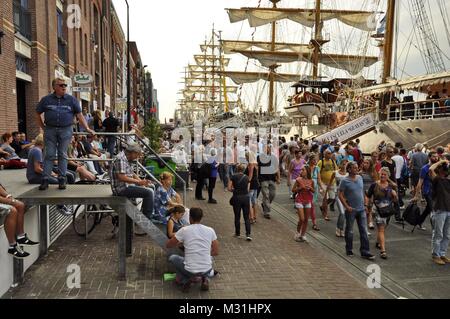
41, 42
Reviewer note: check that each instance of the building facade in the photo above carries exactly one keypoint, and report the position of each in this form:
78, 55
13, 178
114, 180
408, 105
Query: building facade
59, 38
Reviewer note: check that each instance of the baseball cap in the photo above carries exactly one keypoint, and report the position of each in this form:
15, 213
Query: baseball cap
133, 147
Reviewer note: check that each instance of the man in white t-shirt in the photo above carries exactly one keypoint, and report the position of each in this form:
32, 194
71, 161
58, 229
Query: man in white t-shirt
200, 244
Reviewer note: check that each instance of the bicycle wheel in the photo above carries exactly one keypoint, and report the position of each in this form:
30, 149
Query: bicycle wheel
83, 221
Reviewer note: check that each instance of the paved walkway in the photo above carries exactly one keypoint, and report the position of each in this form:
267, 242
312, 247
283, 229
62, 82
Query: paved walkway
272, 266
409, 271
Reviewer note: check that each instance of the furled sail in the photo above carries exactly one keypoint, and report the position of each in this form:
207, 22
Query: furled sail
257, 17
350, 63
202, 59
251, 77
230, 47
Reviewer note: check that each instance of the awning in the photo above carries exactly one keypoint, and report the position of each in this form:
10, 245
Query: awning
423, 83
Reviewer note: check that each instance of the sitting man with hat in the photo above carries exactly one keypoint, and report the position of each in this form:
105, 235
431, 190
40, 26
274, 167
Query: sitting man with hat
125, 183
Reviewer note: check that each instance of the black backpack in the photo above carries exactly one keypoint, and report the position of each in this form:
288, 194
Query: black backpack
412, 215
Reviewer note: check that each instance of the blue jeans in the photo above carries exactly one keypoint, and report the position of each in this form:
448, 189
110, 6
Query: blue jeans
441, 233
184, 275
111, 145
361, 219
141, 192
57, 140
341, 210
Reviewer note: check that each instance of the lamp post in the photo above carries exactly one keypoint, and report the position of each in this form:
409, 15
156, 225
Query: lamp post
128, 70
145, 95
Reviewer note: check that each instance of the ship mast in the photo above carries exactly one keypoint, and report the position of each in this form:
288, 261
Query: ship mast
273, 67
388, 40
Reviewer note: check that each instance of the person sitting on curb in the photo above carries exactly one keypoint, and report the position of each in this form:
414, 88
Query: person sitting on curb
125, 183
13, 211
200, 244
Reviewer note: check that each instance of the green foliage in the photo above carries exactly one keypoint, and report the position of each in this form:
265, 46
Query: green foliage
154, 133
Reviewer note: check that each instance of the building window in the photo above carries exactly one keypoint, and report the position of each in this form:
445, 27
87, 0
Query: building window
86, 49
62, 43
22, 18
21, 64
81, 45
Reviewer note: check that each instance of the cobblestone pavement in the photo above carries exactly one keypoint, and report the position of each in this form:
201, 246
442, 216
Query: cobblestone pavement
272, 266
409, 271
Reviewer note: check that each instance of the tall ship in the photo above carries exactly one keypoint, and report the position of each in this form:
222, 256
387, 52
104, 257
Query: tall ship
312, 67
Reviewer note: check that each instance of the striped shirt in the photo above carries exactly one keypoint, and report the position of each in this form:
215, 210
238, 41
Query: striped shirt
120, 165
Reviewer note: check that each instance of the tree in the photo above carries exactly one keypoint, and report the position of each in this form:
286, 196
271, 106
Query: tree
154, 133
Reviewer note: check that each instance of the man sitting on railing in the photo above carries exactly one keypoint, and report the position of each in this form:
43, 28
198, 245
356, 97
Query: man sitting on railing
125, 183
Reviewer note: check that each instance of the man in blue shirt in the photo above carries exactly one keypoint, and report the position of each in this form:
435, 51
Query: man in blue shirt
59, 110
425, 185
351, 194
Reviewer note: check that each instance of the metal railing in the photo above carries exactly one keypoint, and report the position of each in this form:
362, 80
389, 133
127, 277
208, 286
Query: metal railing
428, 109
150, 150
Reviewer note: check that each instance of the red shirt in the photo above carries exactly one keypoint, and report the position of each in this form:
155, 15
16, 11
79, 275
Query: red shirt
304, 190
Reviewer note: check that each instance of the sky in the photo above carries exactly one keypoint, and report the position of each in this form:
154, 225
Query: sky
168, 34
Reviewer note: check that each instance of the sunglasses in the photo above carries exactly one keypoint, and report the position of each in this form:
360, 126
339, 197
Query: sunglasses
62, 85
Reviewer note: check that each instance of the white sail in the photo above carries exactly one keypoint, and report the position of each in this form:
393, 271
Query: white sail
229, 47
257, 17
251, 77
350, 63
202, 59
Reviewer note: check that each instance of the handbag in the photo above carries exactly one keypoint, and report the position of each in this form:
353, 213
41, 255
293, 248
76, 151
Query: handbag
232, 199
386, 211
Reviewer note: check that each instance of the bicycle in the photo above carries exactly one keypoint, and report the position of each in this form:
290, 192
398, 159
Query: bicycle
87, 217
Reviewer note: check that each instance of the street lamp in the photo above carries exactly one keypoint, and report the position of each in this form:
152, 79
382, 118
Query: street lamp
128, 69
145, 95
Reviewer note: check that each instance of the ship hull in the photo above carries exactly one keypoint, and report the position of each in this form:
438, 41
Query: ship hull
303, 110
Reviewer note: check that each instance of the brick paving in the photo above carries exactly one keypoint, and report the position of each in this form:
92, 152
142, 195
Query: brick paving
272, 266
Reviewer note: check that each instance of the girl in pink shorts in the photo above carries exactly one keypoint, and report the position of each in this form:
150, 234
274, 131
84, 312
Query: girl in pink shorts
304, 189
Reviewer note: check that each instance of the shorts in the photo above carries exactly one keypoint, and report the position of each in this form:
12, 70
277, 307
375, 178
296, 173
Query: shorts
5, 210
253, 196
381, 221
303, 205
331, 192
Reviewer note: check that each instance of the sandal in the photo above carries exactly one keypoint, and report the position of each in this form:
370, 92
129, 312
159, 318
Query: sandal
327, 219
316, 228
383, 255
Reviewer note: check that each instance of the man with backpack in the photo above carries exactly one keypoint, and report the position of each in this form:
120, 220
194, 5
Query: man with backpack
425, 186
441, 215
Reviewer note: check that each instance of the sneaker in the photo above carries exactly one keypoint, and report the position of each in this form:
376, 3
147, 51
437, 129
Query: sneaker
303, 239
291, 196
350, 254
297, 237
378, 246
248, 238
445, 259
18, 253
338, 232
368, 256
205, 284
212, 201
399, 221
438, 261
62, 183
420, 227
26, 241
44, 185
64, 210
371, 226
185, 288
267, 216
236, 236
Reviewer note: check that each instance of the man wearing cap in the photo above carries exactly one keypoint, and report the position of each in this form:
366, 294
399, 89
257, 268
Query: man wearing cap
59, 109
125, 183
